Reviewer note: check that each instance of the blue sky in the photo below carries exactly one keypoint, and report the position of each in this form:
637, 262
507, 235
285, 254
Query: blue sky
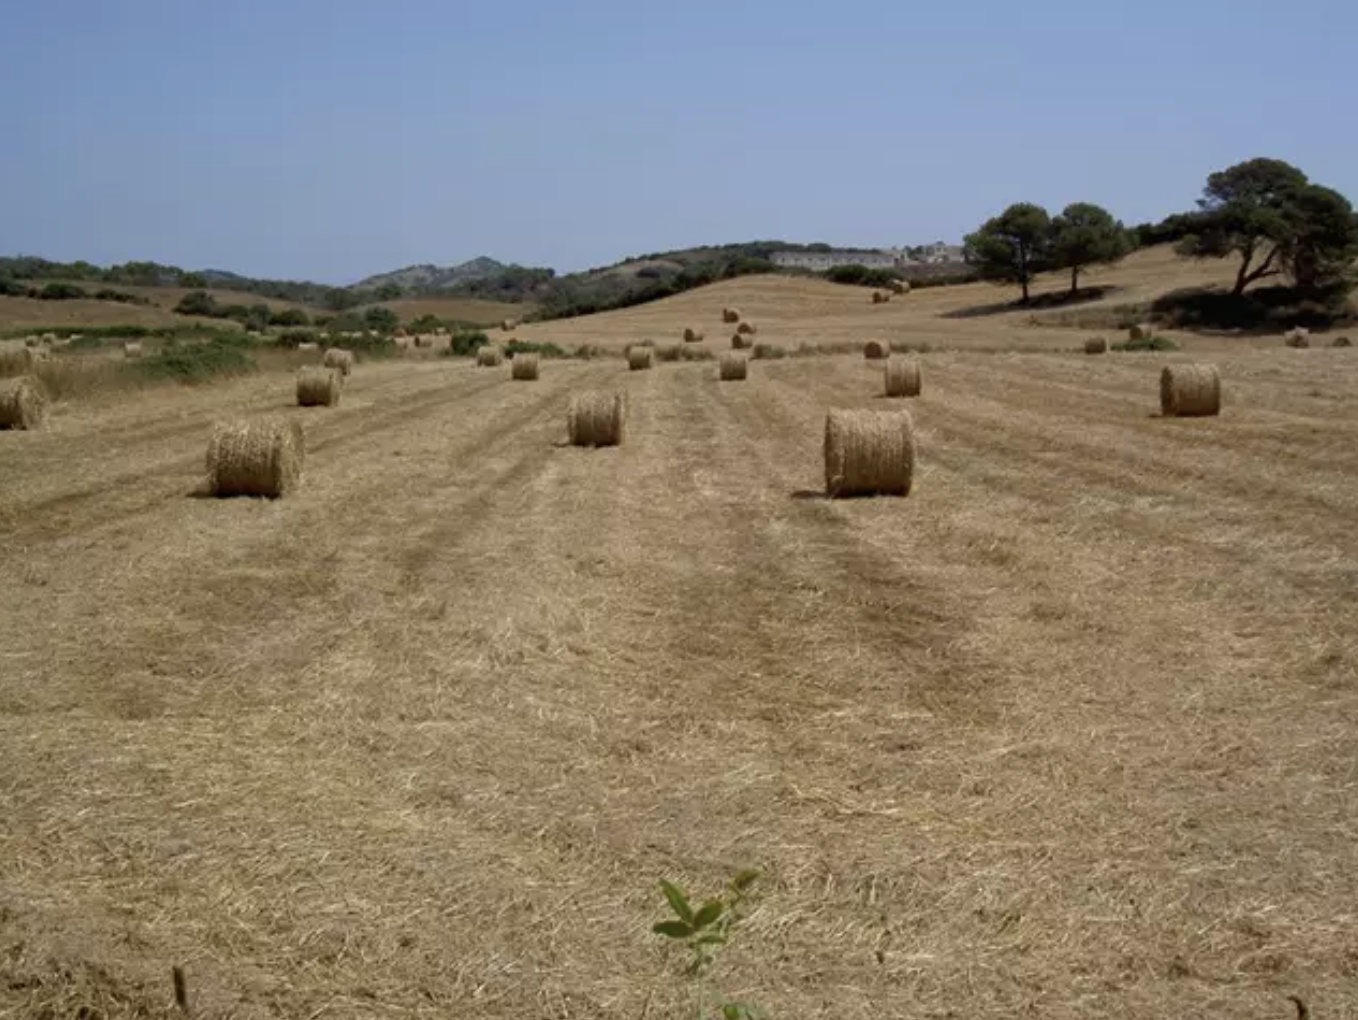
330, 139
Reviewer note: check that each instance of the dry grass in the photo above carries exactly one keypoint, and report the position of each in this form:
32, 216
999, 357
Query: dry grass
1190, 391
319, 387
732, 367
902, 377
255, 457
869, 453
1068, 733
23, 404
524, 367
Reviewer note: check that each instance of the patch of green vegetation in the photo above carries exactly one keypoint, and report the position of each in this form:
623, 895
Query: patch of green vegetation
199, 362
1148, 343
546, 350
703, 932
466, 343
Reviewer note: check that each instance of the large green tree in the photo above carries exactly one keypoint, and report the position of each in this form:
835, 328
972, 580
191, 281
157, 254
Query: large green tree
1013, 246
1084, 235
1267, 213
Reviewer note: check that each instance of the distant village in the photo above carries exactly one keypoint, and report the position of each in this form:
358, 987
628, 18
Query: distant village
937, 254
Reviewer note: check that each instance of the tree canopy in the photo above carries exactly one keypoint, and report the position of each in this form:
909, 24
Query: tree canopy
1084, 235
1012, 246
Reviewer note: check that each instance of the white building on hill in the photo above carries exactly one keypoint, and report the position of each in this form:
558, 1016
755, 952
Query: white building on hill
822, 261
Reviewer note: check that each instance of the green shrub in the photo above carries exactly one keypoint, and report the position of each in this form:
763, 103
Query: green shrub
861, 276
466, 344
61, 292
198, 302
288, 317
1149, 343
293, 337
545, 350
383, 320
198, 362
11, 288
108, 294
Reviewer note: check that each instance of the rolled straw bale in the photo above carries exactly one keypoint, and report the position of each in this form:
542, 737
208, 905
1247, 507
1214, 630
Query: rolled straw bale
730, 315
732, 367
875, 350
1096, 345
1141, 331
319, 387
639, 358
1298, 337
1190, 391
692, 336
255, 457
31, 341
400, 333
748, 328
424, 340
308, 346
1341, 341
869, 452
509, 325
902, 377
23, 404
741, 341
524, 366
880, 298
132, 348
488, 356
899, 287
596, 418
338, 357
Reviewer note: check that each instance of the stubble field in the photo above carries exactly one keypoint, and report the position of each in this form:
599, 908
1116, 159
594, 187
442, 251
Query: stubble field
1069, 732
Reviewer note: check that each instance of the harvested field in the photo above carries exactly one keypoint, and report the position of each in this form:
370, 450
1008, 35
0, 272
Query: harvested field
1070, 732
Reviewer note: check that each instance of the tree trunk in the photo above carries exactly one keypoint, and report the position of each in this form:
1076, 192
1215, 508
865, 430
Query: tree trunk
1024, 283
1074, 280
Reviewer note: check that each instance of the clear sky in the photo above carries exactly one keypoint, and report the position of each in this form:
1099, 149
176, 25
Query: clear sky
331, 139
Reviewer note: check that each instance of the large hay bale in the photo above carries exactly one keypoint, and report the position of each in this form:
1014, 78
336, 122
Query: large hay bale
488, 356
880, 297
31, 341
319, 387
875, 350
258, 457
524, 366
902, 377
339, 358
1141, 331
308, 346
424, 340
1298, 337
1096, 345
748, 328
869, 452
23, 404
732, 367
740, 341
1190, 391
131, 348
692, 336
509, 325
899, 287
730, 315
596, 418
639, 357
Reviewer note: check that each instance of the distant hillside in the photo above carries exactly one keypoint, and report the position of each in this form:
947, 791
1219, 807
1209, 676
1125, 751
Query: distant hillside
430, 277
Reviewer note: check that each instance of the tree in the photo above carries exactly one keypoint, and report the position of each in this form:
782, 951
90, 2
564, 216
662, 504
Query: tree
1085, 235
289, 317
1244, 210
1011, 247
198, 302
1322, 239
388, 292
381, 320
194, 281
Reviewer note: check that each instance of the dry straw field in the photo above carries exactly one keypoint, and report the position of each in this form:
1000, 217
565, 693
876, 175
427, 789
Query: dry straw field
1069, 732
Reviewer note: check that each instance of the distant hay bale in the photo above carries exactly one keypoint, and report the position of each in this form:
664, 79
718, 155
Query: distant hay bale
1096, 345
596, 418
255, 457
509, 325
880, 297
338, 357
1341, 341
730, 315
692, 336
308, 346
732, 367
424, 340
132, 348
748, 328
524, 366
741, 341
875, 350
868, 453
1298, 337
639, 358
902, 377
319, 387
899, 287
23, 404
1141, 331
400, 333
1190, 391
488, 356
31, 341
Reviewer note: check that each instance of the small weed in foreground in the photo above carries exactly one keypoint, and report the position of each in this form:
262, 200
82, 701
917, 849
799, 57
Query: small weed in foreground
704, 932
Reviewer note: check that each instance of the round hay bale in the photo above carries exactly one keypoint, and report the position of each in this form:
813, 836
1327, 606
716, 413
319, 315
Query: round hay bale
509, 325
259, 457
732, 367
23, 404
132, 348
31, 341
1341, 341
748, 328
899, 287
902, 377
596, 418
1096, 345
424, 340
524, 366
339, 358
308, 346
692, 336
869, 453
639, 357
400, 333
1190, 391
730, 315
1141, 331
741, 341
880, 297
488, 356
875, 350
1298, 337
319, 387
